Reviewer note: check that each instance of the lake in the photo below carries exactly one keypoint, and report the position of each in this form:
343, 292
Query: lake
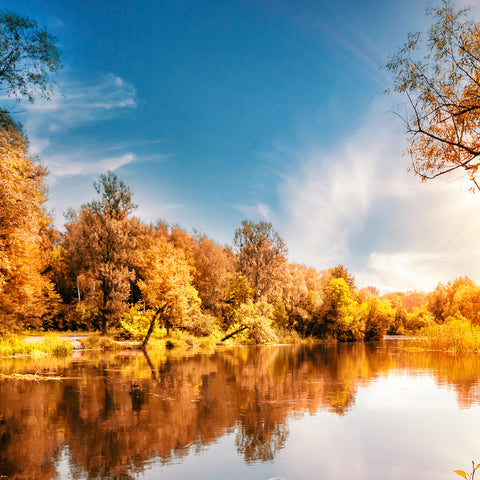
358, 411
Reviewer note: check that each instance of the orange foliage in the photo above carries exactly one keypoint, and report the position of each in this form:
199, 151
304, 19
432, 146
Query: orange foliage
26, 295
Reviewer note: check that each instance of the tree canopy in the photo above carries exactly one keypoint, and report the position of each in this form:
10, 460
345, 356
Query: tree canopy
100, 236
261, 255
23, 222
439, 73
29, 57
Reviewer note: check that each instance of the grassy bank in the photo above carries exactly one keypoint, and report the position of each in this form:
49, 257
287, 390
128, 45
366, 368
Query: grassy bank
51, 344
55, 344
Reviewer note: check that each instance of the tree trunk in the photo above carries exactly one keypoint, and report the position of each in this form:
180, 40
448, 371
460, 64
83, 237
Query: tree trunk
104, 322
234, 333
78, 291
151, 327
103, 310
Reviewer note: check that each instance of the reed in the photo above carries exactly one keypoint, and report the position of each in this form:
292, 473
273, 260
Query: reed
456, 335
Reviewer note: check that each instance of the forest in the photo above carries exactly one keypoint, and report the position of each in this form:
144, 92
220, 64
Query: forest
110, 272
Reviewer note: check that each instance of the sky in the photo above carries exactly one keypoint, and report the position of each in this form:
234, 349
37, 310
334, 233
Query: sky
214, 112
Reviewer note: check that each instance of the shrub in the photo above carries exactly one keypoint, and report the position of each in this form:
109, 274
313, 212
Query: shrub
418, 319
200, 324
134, 323
257, 317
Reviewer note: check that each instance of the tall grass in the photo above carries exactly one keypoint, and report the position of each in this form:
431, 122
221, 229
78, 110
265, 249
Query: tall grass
456, 335
50, 344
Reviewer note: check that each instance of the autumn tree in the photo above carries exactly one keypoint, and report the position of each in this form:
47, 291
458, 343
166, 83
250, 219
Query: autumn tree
261, 256
302, 297
406, 300
237, 292
184, 241
340, 271
441, 302
29, 57
25, 292
377, 316
439, 74
418, 318
99, 243
165, 283
466, 301
214, 266
341, 319
28, 60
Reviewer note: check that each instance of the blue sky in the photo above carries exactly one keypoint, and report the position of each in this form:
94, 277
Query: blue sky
217, 111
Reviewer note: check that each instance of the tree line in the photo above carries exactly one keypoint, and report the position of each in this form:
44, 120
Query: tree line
109, 271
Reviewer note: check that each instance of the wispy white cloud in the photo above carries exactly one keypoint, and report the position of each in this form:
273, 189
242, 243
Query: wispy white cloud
325, 201
260, 211
363, 49
77, 104
59, 167
357, 205
49, 125
403, 270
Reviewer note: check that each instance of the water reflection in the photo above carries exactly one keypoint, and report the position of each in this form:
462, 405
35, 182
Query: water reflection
110, 417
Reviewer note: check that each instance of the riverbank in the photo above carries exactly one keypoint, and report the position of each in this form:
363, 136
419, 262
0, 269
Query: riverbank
457, 335
56, 343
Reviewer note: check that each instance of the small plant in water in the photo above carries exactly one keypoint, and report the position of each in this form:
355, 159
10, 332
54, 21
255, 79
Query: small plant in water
468, 476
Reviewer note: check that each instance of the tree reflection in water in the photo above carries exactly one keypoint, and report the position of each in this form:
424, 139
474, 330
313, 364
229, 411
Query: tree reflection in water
115, 414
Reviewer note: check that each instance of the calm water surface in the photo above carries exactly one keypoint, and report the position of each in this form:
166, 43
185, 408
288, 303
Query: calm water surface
358, 411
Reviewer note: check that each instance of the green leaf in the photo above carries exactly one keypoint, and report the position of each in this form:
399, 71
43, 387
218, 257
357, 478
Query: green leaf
461, 473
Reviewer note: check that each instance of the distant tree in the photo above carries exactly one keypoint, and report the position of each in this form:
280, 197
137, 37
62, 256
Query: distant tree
406, 300
439, 73
377, 316
397, 327
340, 318
99, 243
214, 266
419, 318
261, 256
466, 301
342, 272
29, 57
366, 293
302, 297
442, 303
436, 301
